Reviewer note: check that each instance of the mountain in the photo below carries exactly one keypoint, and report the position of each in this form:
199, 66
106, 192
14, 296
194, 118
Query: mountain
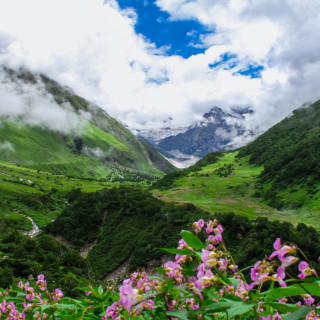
46, 126
290, 155
276, 176
215, 132
155, 136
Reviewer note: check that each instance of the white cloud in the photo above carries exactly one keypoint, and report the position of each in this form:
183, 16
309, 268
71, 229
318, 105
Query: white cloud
92, 47
31, 104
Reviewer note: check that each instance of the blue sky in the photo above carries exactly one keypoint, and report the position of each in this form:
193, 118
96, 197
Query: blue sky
179, 37
167, 62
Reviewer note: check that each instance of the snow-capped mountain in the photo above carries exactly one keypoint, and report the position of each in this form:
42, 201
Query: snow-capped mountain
217, 130
154, 136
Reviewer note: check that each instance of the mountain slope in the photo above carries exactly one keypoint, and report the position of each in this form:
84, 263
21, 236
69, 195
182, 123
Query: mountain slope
277, 175
213, 133
290, 154
228, 184
46, 126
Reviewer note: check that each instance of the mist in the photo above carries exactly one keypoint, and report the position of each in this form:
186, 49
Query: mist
30, 104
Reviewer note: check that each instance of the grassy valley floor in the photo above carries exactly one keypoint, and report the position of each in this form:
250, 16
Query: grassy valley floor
26, 192
228, 185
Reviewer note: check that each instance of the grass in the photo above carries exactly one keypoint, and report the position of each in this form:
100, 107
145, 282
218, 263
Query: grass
92, 153
215, 188
40, 195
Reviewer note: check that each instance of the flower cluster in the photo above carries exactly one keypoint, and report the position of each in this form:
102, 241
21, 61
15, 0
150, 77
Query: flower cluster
30, 301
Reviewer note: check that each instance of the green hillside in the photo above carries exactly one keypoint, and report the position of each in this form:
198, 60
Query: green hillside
290, 155
100, 148
229, 184
37, 194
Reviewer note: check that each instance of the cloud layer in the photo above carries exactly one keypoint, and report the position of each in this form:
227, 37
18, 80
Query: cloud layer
91, 46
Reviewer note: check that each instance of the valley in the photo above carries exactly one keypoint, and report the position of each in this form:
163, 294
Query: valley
82, 202
229, 185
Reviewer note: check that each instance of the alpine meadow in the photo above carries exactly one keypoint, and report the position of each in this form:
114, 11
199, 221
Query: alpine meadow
159, 159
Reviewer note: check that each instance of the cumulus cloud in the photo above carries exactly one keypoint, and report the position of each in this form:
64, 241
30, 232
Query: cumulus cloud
30, 104
91, 46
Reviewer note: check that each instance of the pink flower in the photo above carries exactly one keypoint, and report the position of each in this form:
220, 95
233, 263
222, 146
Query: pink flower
129, 296
217, 237
173, 270
57, 295
148, 304
3, 306
41, 282
192, 304
279, 276
112, 311
282, 251
210, 225
260, 273
312, 315
205, 278
243, 289
308, 300
198, 225
305, 270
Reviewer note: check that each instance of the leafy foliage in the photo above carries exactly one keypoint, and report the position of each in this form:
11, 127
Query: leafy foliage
289, 152
167, 181
124, 223
24, 257
201, 283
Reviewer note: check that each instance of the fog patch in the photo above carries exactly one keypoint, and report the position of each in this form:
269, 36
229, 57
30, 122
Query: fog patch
6, 146
30, 104
95, 152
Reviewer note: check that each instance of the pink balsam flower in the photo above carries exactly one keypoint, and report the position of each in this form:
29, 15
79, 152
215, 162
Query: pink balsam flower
305, 270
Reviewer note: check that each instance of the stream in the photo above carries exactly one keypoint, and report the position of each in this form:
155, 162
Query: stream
35, 229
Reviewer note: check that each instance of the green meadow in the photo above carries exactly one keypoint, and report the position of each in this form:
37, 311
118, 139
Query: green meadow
229, 185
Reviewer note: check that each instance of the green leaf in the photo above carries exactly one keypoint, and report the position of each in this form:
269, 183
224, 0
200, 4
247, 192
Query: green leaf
222, 276
301, 313
239, 308
160, 270
182, 314
155, 278
235, 282
283, 307
67, 306
100, 290
178, 251
192, 240
217, 306
294, 290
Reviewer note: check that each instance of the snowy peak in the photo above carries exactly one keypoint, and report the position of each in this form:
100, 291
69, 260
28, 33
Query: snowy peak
216, 131
154, 136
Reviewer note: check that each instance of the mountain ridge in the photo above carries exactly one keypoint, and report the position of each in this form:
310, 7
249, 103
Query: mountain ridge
92, 133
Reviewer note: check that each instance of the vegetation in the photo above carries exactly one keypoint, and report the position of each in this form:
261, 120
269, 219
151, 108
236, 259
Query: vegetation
24, 257
290, 155
99, 147
124, 224
167, 181
101, 204
232, 184
203, 282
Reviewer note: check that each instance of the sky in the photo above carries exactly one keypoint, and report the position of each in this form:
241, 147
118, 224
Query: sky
158, 63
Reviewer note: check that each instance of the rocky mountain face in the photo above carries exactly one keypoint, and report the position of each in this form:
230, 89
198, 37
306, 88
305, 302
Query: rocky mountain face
214, 132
